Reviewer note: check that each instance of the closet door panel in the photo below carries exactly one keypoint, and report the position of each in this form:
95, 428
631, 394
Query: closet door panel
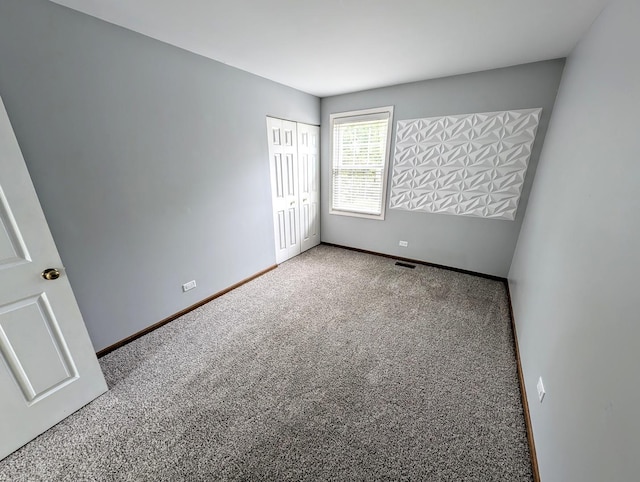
283, 167
309, 184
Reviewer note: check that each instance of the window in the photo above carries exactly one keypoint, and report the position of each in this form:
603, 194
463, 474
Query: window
360, 143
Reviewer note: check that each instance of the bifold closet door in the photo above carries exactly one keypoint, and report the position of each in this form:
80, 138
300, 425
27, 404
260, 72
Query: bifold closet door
294, 164
283, 164
309, 187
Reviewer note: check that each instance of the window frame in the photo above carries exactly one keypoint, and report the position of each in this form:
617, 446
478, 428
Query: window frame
364, 115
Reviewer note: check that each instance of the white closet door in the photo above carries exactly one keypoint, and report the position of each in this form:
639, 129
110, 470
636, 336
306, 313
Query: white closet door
309, 186
283, 162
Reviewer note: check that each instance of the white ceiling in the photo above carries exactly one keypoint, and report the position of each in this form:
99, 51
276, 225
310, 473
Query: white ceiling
328, 47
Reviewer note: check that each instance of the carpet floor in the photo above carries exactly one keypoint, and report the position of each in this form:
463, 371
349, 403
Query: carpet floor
336, 366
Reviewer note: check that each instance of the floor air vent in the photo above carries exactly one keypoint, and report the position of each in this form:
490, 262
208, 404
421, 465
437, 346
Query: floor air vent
405, 265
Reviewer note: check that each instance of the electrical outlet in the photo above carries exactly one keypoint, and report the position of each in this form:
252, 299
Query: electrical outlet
404, 244
189, 285
541, 391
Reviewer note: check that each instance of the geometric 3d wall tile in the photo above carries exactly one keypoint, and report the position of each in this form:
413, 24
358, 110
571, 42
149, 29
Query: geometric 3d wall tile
469, 165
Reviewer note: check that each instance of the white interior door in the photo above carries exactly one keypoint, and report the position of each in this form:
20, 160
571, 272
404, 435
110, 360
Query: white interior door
309, 184
48, 367
283, 162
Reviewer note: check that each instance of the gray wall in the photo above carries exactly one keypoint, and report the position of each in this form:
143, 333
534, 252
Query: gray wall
150, 162
574, 279
481, 245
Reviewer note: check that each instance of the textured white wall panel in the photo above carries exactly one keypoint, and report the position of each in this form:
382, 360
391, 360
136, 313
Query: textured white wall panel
469, 165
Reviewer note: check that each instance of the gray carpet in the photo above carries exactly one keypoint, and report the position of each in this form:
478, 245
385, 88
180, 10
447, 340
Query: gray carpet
336, 366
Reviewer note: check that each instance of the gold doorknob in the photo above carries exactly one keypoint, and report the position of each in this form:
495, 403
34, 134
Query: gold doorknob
50, 274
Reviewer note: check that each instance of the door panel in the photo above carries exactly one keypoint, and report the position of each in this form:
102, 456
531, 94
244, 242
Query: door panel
308, 152
283, 167
313, 226
291, 183
293, 227
279, 177
304, 220
281, 230
39, 362
12, 248
48, 368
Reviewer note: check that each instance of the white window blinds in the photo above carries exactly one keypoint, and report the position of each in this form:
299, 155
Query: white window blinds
360, 158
